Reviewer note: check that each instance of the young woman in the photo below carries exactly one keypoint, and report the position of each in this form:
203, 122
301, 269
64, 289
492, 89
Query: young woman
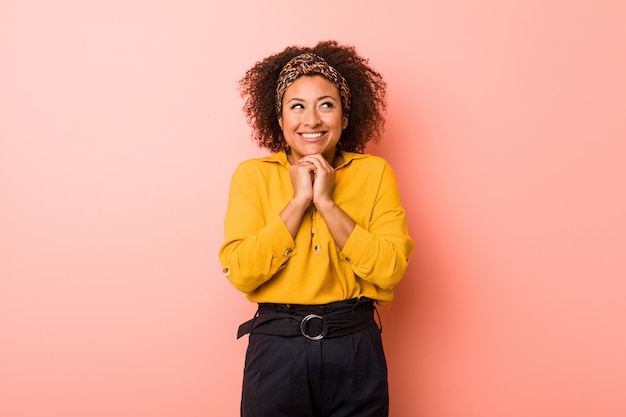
316, 235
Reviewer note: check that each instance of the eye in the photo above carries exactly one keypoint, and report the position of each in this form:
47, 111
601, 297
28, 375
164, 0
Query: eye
327, 105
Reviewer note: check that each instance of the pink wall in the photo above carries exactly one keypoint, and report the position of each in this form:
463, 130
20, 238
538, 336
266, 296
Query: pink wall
120, 125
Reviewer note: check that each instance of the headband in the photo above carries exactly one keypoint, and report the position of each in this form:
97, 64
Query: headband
310, 64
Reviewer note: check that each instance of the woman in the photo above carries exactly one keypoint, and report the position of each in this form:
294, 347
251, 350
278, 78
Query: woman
315, 234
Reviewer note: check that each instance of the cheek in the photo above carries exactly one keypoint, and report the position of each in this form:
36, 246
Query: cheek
287, 123
339, 122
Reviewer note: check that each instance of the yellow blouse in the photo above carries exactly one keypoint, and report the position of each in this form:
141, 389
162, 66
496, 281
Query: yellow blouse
260, 257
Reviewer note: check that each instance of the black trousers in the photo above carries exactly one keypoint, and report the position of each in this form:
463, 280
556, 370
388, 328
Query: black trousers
292, 376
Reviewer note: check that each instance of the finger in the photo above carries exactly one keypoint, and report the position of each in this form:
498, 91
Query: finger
317, 160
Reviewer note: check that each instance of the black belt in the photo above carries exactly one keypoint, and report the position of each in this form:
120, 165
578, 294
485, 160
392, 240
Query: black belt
314, 322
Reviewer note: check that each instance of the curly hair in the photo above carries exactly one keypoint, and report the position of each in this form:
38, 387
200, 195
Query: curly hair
368, 89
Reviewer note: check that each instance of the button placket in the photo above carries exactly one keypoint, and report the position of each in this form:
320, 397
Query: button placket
314, 241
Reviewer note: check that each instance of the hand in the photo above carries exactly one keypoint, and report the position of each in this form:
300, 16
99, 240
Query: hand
323, 177
339, 223
302, 176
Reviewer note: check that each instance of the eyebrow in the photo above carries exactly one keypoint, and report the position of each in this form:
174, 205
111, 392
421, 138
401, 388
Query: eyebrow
318, 99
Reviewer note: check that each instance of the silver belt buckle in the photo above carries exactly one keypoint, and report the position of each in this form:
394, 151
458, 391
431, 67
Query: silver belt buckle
303, 324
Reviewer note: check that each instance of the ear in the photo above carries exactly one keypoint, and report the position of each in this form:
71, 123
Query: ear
280, 122
345, 122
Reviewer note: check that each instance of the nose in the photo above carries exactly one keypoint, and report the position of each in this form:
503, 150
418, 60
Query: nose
311, 117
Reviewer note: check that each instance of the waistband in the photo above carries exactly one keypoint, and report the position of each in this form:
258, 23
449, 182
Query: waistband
314, 322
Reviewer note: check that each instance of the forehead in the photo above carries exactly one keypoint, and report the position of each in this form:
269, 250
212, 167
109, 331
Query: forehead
311, 86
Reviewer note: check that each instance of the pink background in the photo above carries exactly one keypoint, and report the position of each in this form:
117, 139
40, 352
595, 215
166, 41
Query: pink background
120, 126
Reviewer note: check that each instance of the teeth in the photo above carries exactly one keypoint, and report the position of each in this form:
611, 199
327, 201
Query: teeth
311, 135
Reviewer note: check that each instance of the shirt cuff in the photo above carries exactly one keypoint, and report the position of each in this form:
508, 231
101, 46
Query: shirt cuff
356, 245
283, 245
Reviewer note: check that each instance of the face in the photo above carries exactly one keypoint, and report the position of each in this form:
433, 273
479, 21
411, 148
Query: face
312, 118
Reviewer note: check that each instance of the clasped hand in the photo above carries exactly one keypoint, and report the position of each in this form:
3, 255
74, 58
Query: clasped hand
313, 179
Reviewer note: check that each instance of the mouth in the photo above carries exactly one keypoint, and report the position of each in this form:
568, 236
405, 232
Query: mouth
312, 136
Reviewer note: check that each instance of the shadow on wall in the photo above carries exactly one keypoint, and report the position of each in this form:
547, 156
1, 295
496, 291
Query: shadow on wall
409, 319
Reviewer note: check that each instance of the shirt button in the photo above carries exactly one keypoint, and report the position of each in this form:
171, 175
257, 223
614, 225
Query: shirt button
288, 252
226, 272
317, 250
348, 260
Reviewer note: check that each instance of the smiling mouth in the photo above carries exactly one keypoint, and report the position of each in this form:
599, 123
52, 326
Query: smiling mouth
312, 135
